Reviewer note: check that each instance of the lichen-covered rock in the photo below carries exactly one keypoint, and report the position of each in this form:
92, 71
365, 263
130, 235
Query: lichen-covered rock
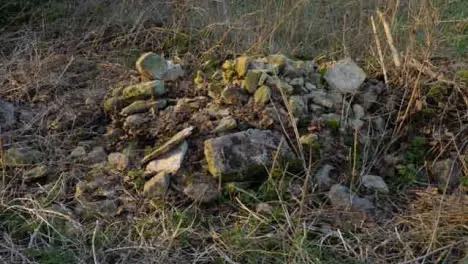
36, 173
297, 105
242, 65
239, 156
141, 106
169, 162
341, 197
232, 94
251, 80
227, 123
151, 66
21, 156
374, 182
309, 139
345, 76
115, 104
262, 95
174, 141
144, 90
158, 185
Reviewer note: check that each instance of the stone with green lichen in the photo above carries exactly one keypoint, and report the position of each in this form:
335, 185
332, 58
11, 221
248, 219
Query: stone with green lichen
309, 139
262, 95
141, 106
144, 90
36, 173
462, 74
158, 185
152, 66
242, 65
243, 155
17, 157
251, 80
227, 123
115, 104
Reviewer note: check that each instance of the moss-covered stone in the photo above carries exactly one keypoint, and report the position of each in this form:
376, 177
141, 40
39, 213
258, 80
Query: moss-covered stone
144, 90
251, 80
115, 104
242, 65
462, 74
262, 95
141, 106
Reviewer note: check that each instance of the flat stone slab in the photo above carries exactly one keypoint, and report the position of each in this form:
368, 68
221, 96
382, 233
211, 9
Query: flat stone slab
345, 76
243, 155
169, 162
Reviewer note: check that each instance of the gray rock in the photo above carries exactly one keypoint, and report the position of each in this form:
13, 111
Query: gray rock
341, 197
21, 156
356, 124
226, 124
323, 177
135, 121
239, 156
231, 94
297, 105
358, 111
169, 162
201, 192
78, 152
345, 76
152, 66
35, 173
97, 155
375, 183
323, 101
173, 73
158, 185
174, 141
7, 115
316, 109
263, 208
310, 87
379, 123
443, 171
215, 111
262, 95
118, 161
297, 84
337, 99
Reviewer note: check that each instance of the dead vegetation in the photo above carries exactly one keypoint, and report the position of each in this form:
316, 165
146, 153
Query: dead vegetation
59, 58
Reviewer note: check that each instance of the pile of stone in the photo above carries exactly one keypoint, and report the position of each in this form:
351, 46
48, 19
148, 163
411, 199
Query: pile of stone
236, 146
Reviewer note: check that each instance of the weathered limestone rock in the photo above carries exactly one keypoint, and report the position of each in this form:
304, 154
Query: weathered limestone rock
158, 185
135, 121
323, 177
262, 95
173, 73
297, 105
169, 162
345, 76
36, 173
375, 183
17, 157
151, 66
78, 152
226, 124
141, 106
251, 80
97, 155
144, 90
358, 111
118, 161
242, 65
341, 197
231, 94
238, 156
175, 140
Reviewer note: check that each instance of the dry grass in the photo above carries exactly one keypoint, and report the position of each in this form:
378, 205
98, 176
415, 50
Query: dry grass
60, 59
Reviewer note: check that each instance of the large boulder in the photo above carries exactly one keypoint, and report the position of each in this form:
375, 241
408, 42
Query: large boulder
345, 76
242, 155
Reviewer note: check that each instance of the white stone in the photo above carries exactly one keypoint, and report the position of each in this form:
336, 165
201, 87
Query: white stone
374, 182
169, 162
345, 76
